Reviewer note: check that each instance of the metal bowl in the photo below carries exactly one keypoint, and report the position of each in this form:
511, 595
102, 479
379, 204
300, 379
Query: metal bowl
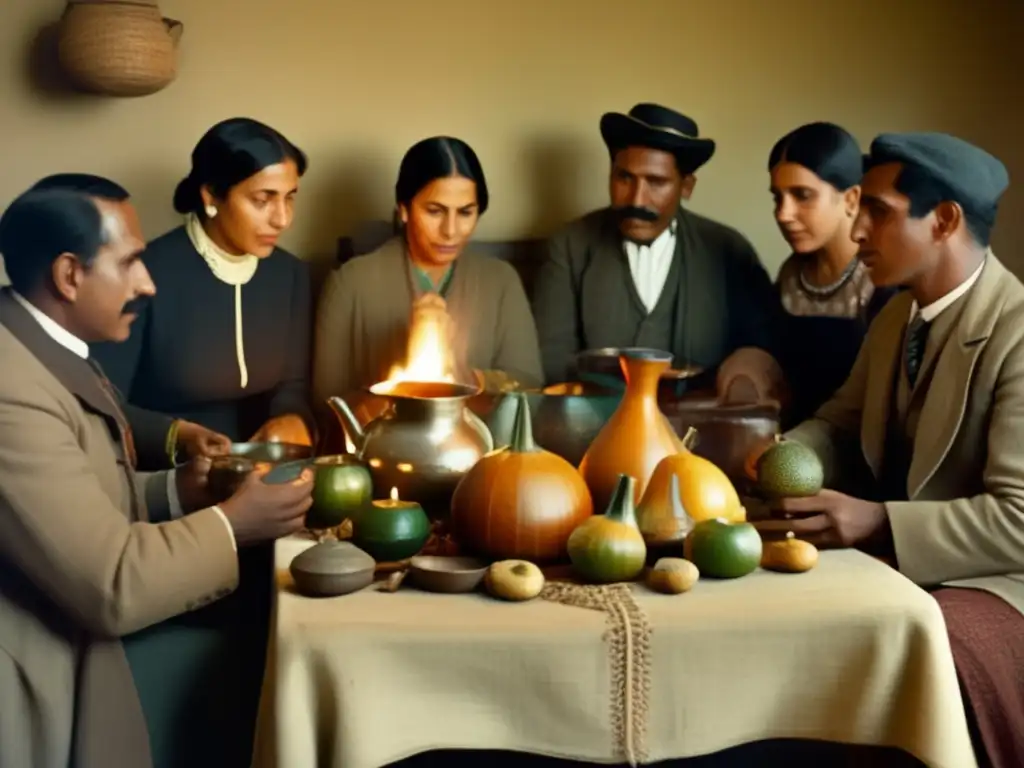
601, 368
271, 453
565, 417
227, 472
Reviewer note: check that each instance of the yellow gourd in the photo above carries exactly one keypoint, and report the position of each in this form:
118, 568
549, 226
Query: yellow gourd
514, 580
705, 491
791, 555
672, 576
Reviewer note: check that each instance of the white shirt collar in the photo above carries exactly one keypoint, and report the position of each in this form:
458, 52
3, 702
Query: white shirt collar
936, 308
61, 335
649, 265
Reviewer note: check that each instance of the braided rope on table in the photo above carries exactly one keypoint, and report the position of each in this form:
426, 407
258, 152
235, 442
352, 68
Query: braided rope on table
629, 650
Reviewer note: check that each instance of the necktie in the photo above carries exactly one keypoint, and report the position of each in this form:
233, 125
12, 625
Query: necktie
122, 421
917, 336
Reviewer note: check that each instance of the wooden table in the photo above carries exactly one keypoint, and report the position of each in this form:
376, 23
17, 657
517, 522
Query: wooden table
850, 652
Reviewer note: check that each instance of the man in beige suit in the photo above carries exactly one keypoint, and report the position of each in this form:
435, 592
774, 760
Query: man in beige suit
929, 424
89, 549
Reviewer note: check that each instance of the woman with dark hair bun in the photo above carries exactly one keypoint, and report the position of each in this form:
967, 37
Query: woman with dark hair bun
366, 308
827, 296
224, 343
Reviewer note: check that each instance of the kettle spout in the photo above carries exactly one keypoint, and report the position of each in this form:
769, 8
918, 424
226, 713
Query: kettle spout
349, 422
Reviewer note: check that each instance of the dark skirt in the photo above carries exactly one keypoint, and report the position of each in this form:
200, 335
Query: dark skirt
987, 638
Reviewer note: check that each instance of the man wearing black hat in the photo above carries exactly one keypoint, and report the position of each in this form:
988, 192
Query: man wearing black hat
645, 272
934, 411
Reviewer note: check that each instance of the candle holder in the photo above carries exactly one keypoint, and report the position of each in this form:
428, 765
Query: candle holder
391, 529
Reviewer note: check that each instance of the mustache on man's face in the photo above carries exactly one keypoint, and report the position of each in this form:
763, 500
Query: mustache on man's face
634, 212
136, 306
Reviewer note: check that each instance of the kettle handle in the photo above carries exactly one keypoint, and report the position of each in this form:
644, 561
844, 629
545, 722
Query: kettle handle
481, 426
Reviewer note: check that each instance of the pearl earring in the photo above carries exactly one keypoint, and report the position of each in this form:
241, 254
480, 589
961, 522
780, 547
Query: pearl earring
211, 211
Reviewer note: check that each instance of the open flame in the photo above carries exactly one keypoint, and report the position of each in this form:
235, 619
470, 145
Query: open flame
429, 354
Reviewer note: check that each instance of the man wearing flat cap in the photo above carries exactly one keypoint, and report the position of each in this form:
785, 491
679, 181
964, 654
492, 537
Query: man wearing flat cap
932, 416
645, 272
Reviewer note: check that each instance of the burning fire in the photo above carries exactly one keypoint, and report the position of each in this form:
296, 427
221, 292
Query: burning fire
429, 354
429, 359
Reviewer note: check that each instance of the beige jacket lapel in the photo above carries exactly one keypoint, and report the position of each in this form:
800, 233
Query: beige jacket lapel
74, 373
946, 400
885, 355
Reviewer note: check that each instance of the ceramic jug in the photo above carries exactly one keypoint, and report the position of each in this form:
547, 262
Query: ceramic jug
637, 436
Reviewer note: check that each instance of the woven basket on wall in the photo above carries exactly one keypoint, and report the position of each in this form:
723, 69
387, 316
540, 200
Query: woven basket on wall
118, 47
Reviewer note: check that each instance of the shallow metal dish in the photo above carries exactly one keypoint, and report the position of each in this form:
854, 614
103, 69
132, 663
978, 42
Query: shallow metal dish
271, 453
451, 575
601, 368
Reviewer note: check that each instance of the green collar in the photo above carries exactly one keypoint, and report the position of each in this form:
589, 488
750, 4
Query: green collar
425, 284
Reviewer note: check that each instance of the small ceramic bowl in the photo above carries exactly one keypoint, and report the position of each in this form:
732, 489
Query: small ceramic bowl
332, 568
228, 472
451, 575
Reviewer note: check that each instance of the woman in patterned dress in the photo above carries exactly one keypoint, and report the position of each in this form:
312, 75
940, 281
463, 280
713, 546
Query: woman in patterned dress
827, 296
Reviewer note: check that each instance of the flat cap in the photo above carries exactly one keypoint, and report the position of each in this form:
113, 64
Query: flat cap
975, 177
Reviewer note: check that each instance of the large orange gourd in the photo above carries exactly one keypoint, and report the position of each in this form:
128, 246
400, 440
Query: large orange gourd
637, 436
705, 490
521, 501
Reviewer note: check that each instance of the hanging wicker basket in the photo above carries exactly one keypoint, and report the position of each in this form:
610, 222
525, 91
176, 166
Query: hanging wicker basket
118, 47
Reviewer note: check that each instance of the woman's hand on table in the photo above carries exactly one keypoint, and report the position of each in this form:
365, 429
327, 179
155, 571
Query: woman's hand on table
195, 440
289, 428
830, 520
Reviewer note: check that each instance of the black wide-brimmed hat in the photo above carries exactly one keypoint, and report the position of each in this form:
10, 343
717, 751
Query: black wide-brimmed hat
657, 127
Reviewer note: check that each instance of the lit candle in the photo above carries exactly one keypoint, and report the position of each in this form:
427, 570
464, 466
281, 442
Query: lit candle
392, 530
394, 502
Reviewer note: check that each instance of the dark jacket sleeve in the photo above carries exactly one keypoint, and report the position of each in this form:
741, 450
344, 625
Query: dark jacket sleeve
755, 313
291, 395
556, 309
120, 362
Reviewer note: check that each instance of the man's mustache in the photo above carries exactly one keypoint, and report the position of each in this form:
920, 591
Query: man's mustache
136, 306
634, 212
